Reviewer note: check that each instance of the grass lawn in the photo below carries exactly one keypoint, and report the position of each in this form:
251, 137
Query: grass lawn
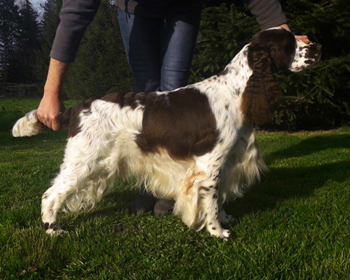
295, 224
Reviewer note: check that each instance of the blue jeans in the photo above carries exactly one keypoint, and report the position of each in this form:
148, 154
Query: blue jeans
159, 51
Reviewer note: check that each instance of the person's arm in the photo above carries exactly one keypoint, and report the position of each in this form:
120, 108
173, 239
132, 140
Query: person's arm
269, 13
75, 16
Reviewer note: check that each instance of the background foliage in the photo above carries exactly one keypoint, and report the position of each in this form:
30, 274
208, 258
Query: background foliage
101, 65
318, 98
19, 40
315, 99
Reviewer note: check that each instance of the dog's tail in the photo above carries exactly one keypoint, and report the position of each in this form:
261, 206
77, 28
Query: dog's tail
30, 125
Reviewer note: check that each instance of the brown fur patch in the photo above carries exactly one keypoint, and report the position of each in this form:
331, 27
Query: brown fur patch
132, 99
181, 122
70, 118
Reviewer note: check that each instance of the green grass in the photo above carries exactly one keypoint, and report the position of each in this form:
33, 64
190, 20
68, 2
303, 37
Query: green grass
294, 225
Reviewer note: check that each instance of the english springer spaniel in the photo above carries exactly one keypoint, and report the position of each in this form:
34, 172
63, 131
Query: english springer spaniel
195, 144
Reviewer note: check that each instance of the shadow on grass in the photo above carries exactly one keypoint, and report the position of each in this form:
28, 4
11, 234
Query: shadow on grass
282, 184
310, 146
113, 205
118, 200
22, 143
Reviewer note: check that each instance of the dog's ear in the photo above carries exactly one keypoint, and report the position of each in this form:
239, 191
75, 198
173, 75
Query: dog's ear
262, 94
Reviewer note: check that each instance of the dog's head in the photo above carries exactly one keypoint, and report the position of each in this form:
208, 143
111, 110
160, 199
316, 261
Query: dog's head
274, 49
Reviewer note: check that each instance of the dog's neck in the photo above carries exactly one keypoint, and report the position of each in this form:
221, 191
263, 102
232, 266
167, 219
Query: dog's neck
225, 90
237, 72
233, 79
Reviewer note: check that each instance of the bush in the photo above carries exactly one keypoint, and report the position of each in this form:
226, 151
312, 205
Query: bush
317, 98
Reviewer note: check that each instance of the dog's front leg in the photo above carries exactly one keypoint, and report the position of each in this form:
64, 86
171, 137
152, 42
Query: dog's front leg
208, 199
208, 193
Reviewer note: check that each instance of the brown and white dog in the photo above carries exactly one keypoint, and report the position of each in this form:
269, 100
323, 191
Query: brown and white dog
195, 144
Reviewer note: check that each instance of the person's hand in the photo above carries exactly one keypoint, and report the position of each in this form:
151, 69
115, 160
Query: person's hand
49, 110
302, 38
51, 105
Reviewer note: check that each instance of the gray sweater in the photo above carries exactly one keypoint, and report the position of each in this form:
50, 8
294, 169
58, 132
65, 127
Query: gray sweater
76, 15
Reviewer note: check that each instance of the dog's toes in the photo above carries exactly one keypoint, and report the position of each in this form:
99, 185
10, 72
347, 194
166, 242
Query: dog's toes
228, 235
59, 232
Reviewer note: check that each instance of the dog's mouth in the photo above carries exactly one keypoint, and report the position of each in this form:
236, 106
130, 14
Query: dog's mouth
313, 60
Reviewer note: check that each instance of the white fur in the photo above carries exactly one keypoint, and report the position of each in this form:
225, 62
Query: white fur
28, 125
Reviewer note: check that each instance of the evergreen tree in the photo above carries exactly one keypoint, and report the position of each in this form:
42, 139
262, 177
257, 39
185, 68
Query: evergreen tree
101, 66
26, 44
318, 98
223, 32
314, 99
47, 31
9, 31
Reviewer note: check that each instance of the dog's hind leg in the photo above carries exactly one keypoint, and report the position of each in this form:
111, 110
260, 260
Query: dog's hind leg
69, 180
53, 199
81, 182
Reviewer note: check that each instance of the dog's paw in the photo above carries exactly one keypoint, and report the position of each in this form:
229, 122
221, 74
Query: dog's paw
228, 235
218, 231
54, 229
59, 232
